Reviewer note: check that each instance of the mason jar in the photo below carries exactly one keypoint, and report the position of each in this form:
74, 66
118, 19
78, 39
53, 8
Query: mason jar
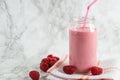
83, 44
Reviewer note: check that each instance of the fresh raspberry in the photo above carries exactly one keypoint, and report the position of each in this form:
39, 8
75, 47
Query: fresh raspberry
34, 75
45, 60
50, 55
44, 66
56, 58
96, 70
69, 69
51, 63
52, 59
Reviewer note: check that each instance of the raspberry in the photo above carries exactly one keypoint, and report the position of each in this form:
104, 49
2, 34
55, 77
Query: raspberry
69, 69
50, 55
96, 70
45, 60
44, 66
52, 59
34, 75
56, 58
51, 63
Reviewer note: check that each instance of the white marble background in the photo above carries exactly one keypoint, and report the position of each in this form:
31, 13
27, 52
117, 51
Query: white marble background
30, 29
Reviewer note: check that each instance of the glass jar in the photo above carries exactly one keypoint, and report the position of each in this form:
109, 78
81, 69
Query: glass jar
83, 45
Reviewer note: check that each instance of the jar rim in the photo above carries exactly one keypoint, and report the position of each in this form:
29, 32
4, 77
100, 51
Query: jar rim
81, 19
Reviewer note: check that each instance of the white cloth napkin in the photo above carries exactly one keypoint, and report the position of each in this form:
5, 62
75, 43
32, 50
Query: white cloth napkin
111, 71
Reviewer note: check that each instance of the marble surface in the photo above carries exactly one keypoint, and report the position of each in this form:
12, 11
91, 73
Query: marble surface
31, 29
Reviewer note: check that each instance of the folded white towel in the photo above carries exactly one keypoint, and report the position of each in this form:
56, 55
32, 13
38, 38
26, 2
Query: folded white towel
111, 71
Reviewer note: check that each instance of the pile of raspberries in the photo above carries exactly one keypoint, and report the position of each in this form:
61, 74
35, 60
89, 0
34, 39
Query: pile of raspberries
50, 60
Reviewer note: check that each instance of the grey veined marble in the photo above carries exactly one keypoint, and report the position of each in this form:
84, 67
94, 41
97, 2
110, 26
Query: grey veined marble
30, 29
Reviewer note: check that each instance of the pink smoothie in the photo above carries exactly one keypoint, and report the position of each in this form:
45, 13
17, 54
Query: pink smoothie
82, 48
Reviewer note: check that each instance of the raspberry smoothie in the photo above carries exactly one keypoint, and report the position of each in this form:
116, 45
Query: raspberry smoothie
82, 48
